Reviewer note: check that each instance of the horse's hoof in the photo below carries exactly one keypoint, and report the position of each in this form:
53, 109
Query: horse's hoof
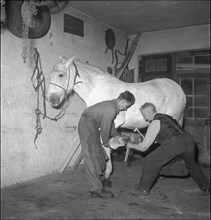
107, 183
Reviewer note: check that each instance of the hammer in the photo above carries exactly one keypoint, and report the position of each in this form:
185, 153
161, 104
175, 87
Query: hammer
136, 129
128, 150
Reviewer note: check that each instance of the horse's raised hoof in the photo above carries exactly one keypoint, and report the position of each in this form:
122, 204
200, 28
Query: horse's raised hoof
102, 193
107, 183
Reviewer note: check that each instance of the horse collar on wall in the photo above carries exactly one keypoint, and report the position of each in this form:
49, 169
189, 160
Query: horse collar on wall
14, 21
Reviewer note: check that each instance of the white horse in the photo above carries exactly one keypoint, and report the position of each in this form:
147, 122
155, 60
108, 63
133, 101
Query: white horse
94, 85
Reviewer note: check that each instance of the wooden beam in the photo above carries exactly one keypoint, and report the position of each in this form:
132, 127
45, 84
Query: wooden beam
128, 56
70, 155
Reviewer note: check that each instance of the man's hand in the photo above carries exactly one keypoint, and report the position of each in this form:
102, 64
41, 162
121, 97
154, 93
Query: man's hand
132, 146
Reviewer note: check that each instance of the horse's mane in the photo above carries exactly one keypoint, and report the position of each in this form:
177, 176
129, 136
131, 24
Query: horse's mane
93, 68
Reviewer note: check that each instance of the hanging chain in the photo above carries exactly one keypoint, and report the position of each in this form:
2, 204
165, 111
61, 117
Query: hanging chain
28, 10
25, 32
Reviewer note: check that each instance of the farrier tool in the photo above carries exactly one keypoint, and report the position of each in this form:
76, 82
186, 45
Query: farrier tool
128, 150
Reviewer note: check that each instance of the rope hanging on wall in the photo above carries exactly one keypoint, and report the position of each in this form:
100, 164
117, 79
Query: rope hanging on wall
38, 82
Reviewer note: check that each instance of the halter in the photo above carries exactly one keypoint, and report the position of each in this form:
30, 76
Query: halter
65, 90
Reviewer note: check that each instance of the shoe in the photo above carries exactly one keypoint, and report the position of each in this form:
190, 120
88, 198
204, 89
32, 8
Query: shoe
137, 186
107, 183
161, 178
205, 191
140, 191
102, 193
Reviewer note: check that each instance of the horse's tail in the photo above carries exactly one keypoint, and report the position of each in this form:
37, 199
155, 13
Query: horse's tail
181, 119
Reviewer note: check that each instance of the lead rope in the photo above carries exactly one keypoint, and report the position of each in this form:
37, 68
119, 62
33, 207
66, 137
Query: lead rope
41, 84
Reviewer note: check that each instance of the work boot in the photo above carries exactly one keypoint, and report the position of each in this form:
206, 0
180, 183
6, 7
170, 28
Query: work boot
137, 186
206, 191
102, 193
140, 191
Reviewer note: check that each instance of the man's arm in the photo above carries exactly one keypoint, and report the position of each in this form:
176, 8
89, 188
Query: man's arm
149, 138
106, 125
114, 131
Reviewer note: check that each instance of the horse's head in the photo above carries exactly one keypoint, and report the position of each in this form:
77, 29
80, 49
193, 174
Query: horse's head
62, 80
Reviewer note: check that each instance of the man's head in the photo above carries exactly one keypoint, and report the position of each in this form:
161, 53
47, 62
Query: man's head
148, 111
125, 100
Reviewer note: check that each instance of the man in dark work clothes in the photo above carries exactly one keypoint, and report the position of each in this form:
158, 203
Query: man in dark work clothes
174, 141
97, 122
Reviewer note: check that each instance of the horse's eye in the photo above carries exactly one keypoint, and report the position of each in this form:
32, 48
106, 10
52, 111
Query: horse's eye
61, 75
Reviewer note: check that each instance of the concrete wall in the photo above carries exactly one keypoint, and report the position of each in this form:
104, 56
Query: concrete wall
20, 160
189, 38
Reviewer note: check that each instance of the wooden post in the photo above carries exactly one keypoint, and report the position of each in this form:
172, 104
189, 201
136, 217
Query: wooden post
70, 155
78, 161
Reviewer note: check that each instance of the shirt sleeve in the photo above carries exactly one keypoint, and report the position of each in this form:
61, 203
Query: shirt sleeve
150, 136
114, 131
106, 125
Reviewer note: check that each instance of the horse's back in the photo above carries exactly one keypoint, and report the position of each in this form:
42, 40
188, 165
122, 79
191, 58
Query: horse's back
164, 93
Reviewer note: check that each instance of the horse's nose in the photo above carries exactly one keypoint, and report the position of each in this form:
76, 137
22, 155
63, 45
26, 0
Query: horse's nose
54, 99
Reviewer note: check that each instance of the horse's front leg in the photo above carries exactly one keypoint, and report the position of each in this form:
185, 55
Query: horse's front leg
109, 167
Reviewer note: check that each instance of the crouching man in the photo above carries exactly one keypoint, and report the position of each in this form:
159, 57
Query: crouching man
174, 141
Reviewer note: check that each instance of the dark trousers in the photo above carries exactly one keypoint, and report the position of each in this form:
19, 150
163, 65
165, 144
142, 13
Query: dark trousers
183, 146
93, 153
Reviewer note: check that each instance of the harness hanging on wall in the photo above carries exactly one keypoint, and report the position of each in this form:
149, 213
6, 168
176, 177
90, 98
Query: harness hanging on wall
110, 42
27, 20
38, 83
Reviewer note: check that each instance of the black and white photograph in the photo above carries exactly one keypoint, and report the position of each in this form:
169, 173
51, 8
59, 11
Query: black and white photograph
105, 109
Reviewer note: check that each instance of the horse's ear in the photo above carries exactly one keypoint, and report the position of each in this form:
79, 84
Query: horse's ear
69, 61
62, 59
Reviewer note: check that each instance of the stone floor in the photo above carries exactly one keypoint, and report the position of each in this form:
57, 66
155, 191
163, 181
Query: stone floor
66, 196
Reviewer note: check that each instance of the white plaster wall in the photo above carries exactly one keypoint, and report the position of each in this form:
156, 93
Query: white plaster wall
20, 160
181, 39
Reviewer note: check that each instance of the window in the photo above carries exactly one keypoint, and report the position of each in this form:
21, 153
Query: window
154, 66
192, 60
196, 90
194, 71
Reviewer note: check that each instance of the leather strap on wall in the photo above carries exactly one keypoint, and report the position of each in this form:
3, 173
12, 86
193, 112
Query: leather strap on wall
128, 56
